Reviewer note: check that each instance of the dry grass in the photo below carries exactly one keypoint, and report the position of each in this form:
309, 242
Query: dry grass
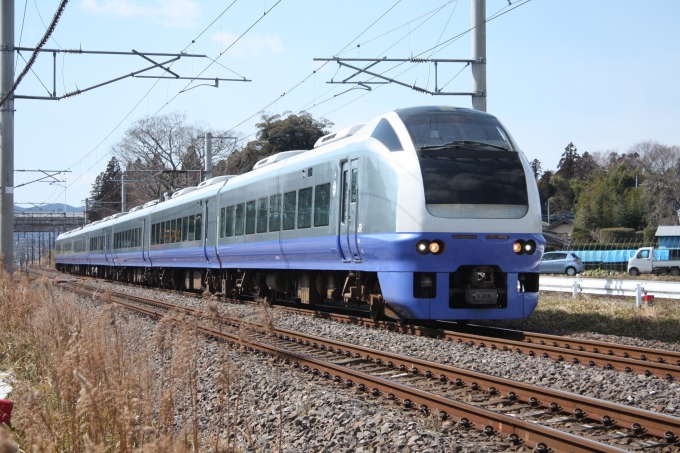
558, 313
93, 380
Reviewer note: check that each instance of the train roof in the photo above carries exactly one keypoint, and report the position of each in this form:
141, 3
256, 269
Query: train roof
438, 108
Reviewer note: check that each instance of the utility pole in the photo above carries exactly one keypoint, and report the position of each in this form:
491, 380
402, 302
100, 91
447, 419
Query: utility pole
479, 54
87, 208
7, 133
123, 194
208, 156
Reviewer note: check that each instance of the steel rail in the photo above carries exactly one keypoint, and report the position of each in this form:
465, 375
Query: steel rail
582, 407
469, 416
610, 356
622, 357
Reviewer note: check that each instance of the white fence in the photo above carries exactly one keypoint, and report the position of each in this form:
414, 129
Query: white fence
630, 288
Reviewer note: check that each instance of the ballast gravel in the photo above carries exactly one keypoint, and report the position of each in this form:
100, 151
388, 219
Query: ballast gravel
650, 393
315, 415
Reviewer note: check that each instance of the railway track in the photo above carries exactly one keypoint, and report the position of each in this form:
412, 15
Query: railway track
609, 356
543, 419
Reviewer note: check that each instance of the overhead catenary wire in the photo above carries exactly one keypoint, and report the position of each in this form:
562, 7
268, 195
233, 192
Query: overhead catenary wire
40, 45
160, 109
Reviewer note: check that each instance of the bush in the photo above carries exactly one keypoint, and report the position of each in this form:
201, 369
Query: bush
581, 236
650, 233
616, 234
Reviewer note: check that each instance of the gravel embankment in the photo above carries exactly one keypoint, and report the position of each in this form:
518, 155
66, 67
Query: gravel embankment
317, 415
650, 393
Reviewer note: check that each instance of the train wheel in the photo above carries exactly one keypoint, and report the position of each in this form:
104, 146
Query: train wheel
377, 311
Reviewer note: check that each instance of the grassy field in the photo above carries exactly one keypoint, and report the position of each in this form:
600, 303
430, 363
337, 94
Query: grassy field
559, 314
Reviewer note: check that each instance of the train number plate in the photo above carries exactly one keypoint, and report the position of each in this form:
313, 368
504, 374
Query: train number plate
481, 296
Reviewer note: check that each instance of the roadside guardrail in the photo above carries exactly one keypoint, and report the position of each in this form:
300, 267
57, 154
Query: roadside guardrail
611, 287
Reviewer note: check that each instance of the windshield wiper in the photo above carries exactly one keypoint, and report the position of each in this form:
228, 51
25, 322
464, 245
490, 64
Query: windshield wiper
464, 144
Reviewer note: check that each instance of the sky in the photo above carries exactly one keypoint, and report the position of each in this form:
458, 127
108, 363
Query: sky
601, 74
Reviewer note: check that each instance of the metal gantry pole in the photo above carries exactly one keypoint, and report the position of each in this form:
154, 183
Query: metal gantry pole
123, 194
208, 156
7, 133
479, 54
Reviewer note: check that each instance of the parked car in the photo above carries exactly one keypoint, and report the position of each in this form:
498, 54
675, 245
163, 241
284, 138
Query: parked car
561, 263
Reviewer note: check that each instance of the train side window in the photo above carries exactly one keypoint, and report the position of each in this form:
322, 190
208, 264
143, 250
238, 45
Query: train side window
158, 233
161, 233
385, 134
222, 219
240, 219
173, 229
289, 201
275, 212
185, 228
262, 207
168, 232
229, 226
354, 186
322, 204
153, 234
192, 232
250, 217
179, 230
345, 191
305, 208
199, 226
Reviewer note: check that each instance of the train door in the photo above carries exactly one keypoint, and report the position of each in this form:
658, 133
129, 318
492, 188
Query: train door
349, 180
204, 227
107, 246
145, 244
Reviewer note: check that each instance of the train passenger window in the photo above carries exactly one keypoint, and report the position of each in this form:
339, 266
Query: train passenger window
191, 227
385, 134
222, 220
289, 201
240, 219
229, 222
275, 212
305, 208
322, 204
173, 229
262, 215
153, 234
168, 231
178, 231
185, 229
250, 217
345, 190
355, 183
199, 225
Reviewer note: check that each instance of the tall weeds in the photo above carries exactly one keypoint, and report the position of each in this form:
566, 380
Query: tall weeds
94, 379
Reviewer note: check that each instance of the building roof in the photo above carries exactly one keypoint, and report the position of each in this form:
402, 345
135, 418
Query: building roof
668, 231
564, 220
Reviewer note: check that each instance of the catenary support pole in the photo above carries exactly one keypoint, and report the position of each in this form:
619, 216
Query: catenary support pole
123, 194
479, 54
86, 209
7, 133
208, 156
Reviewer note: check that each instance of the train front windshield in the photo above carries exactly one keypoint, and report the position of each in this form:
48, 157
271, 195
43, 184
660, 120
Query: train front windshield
469, 166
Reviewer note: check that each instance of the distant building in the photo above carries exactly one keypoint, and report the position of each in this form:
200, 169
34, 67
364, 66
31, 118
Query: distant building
562, 227
669, 237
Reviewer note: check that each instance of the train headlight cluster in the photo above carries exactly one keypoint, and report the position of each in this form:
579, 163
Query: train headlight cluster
521, 247
435, 247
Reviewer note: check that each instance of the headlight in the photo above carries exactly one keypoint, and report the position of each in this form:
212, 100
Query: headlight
437, 247
518, 246
530, 247
423, 247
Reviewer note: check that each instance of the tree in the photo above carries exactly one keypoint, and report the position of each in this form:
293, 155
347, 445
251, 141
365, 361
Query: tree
567, 168
536, 168
105, 194
276, 134
172, 147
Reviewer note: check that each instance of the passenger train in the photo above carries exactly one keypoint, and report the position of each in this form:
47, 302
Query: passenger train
422, 213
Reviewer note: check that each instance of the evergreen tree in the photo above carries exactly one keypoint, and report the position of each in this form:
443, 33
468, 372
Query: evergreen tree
105, 198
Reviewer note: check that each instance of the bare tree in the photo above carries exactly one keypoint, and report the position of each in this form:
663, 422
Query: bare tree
172, 148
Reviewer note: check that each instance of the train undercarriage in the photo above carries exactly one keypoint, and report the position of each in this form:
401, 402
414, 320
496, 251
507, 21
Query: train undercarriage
301, 286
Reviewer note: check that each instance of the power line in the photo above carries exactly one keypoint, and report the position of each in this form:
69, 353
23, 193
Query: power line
40, 45
162, 107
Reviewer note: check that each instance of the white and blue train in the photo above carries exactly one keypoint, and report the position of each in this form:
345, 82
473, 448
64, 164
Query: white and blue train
422, 213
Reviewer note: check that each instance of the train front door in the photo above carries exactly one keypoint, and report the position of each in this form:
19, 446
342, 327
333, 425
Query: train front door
349, 201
